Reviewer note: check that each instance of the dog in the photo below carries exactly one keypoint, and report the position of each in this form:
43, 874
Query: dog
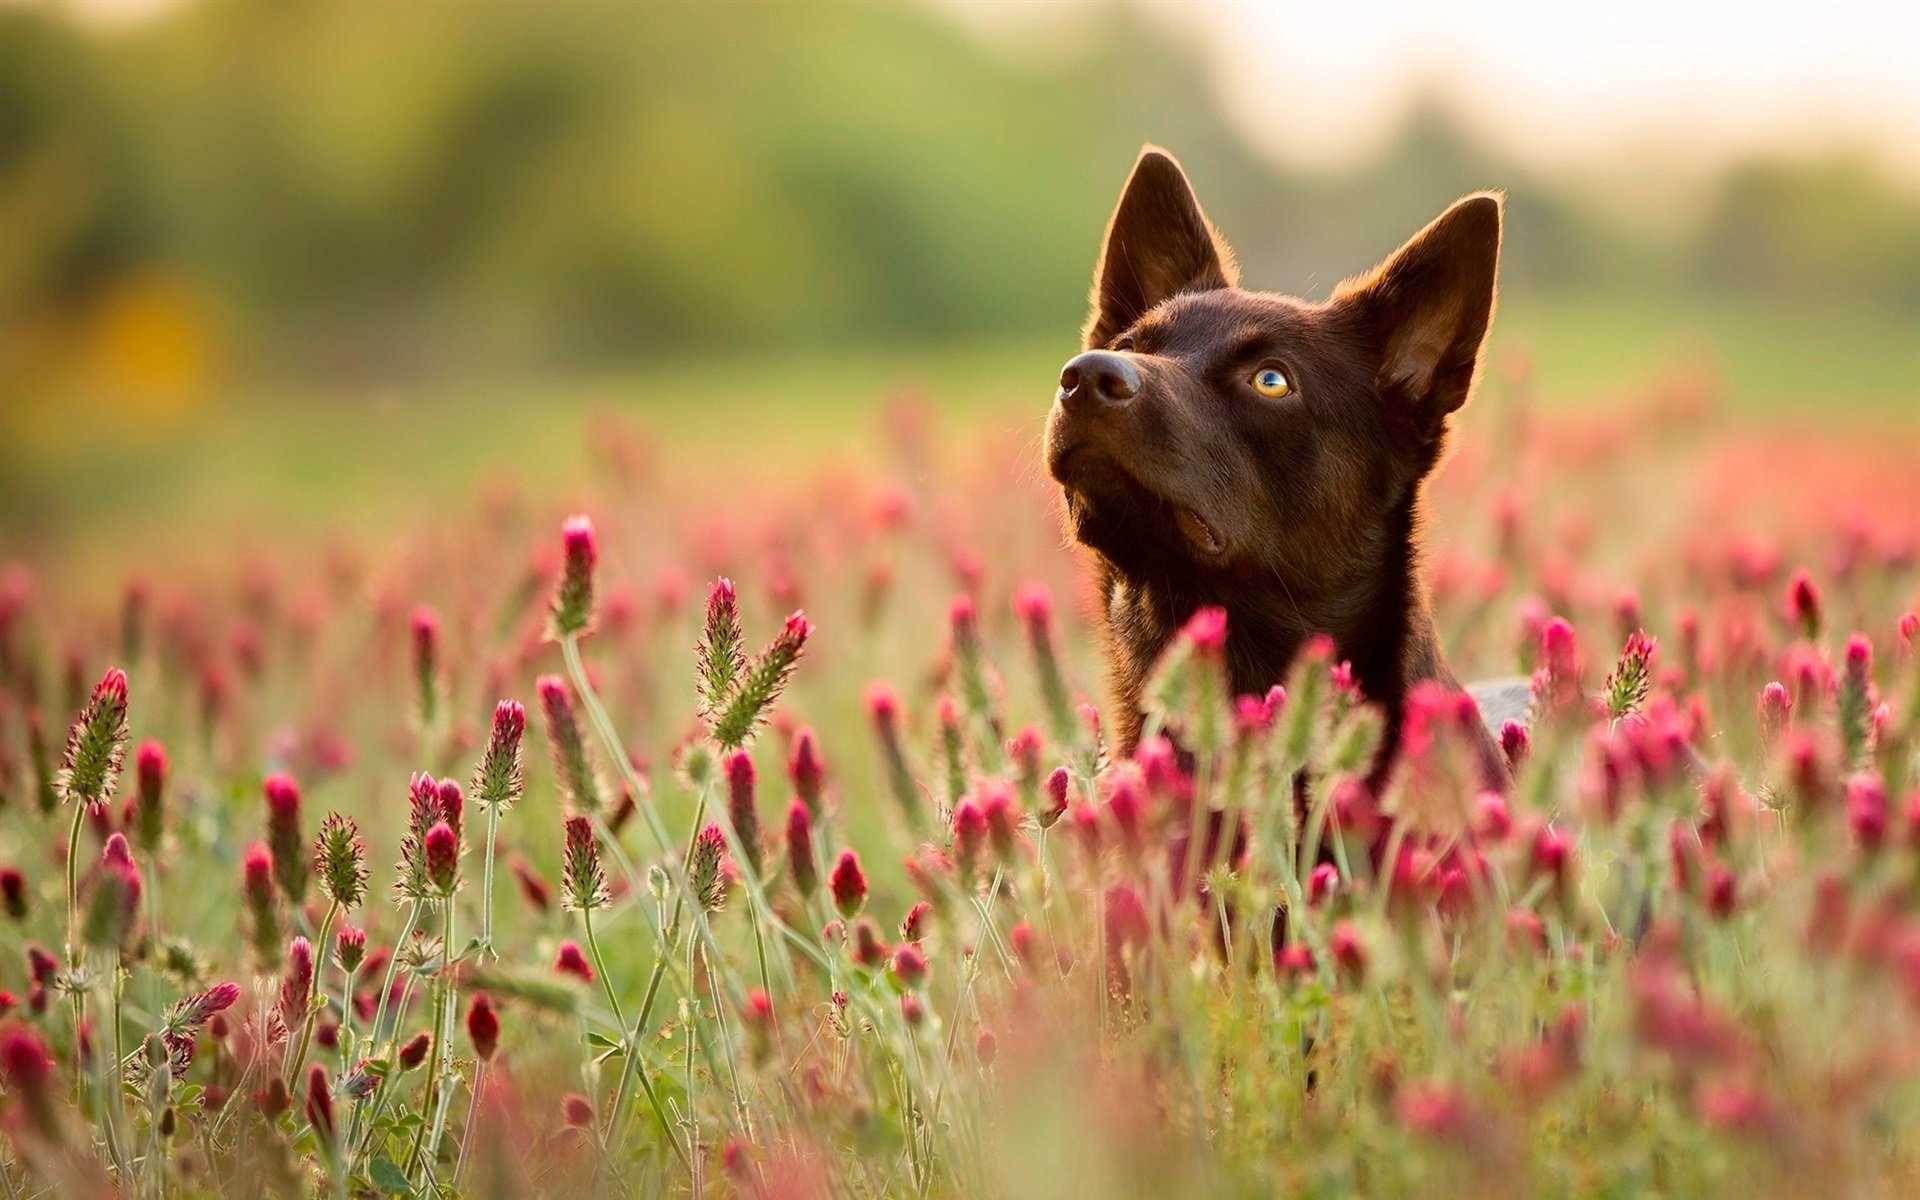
1216, 445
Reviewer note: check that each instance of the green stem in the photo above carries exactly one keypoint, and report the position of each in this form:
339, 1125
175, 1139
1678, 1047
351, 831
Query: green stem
435, 1085
606, 981
693, 1041
663, 955
631, 1051
373, 1033
473, 1112
486, 884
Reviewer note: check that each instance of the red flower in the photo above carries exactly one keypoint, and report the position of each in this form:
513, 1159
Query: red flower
577, 1111
741, 809
443, 857
911, 925
284, 839
910, 965
483, 1026
146, 807
807, 771
13, 888
1206, 630
1803, 603
414, 1052
1867, 810
1348, 951
848, 884
570, 961
28, 1068
320, 1101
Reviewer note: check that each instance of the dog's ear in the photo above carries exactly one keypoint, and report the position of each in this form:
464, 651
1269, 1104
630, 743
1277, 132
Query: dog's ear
1425, 311
1158, 243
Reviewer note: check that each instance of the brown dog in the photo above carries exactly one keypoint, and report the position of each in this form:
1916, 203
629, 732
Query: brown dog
1250, 450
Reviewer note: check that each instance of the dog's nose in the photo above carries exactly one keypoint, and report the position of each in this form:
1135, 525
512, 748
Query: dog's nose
1098, 378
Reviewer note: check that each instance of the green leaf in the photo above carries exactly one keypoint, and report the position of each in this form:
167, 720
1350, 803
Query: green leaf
389, 1178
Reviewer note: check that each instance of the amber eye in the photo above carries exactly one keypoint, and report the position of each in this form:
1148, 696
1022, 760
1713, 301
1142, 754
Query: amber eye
1271, 382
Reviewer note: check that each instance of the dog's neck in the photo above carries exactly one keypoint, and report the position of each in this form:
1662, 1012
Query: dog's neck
1378, 619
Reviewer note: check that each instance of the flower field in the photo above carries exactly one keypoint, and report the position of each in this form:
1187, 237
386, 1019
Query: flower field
736, 831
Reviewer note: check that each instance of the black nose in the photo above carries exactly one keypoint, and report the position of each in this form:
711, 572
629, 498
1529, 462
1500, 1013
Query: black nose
1098, 378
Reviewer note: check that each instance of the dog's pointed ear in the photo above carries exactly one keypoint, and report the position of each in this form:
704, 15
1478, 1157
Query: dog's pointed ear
1426, 310
1158, 243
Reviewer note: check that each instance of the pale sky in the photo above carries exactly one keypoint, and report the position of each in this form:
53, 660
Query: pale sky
1561, 84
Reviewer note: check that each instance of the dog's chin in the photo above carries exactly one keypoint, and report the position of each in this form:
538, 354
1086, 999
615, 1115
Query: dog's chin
1137, 530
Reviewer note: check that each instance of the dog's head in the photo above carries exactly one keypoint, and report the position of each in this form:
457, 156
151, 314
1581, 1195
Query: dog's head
1208, 430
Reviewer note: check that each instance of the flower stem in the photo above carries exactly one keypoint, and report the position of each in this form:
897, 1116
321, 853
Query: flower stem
631, 1050
486, 884
435, 1085
379, 1017
73, 883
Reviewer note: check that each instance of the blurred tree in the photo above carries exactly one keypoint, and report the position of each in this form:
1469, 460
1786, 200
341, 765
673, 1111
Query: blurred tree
375, 185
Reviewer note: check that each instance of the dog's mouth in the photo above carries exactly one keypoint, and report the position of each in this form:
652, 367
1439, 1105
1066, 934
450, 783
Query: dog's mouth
1200, 535
1105, 499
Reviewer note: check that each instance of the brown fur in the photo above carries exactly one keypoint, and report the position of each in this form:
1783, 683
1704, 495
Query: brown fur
1299, 515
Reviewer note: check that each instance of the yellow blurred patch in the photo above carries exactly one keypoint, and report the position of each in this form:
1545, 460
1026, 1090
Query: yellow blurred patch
151, 347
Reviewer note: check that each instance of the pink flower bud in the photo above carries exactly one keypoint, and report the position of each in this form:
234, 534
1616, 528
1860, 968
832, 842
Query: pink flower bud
1551, 855
741, 809
1322, 882
148, 803
572, 608
883, 707
1206, 631
1722, 893
1056, 790
442, 847
1803, 603
28, 1068
1776, 707
1033, 604
284, 839
868, 949
319, 1101
415, 1051
996, 804
1495, 821
350, 948
570, 961
483, 1026
848, 884
807, 771
1859, 659
13, 888
912, 926
296, 985
1348, 951
1867, 810
909, 965
1526, 931
986, 1048
969, 837
1560, 648
1293, 960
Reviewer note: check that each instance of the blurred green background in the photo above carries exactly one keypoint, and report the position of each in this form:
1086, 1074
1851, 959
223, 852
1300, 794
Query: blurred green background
316, 262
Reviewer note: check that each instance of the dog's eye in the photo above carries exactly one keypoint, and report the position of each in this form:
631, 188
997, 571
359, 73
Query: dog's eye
1271, 382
